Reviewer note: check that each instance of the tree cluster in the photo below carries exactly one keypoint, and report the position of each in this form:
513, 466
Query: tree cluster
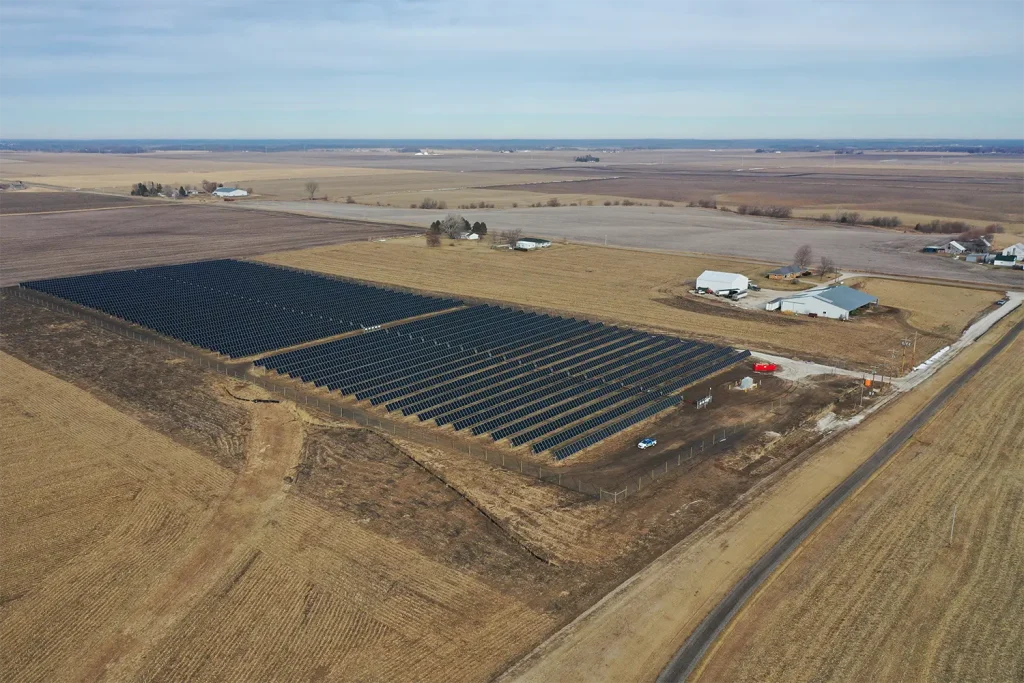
770, 211
587, 157
704, 203
431, 203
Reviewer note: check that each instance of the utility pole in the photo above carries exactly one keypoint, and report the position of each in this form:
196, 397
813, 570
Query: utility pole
913, 351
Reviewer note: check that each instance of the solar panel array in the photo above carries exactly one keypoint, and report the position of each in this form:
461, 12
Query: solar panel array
551, 382
239, 308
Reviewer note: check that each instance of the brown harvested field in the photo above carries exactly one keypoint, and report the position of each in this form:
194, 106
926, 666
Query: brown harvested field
879, 593
944, 186
52, 244
702, 231
268, 175
42, 202
644, 289
275, 543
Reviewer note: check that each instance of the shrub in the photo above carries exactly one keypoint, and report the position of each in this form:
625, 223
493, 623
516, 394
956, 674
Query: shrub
554, 202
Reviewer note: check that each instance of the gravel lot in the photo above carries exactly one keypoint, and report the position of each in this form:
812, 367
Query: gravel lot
697, 230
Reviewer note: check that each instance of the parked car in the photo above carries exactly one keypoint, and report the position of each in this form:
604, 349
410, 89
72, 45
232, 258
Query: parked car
1002, 301
755, 288
647, 443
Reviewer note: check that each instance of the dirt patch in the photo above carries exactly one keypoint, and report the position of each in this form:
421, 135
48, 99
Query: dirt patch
364, 474
165, 393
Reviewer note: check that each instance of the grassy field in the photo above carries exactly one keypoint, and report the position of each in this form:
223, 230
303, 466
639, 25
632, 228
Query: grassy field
935, 309
880, 593
639, 288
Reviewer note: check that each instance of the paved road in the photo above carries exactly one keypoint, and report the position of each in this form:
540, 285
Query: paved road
696, 230
687, 658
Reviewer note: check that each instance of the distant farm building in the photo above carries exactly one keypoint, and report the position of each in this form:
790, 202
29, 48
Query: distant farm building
1016, 251
722, 284
837, 302
531, 243
468, 236
934, 249
1007, 260
786, 273
955, 247
229, 192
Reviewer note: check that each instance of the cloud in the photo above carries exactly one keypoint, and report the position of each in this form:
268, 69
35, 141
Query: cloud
551, 57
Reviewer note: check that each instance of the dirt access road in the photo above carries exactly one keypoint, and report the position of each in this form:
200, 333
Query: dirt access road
636, 629
695, 230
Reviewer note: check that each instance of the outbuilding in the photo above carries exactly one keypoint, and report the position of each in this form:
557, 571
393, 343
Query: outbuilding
722, 284
1016, 251
955, 247
837, 302
531, 243
1005, 261
229, 192
786, 273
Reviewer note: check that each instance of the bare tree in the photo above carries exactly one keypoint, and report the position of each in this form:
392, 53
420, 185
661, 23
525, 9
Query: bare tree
802, 257
433, 239
311, 188
510, 237
453, 225
827, 266
209, 186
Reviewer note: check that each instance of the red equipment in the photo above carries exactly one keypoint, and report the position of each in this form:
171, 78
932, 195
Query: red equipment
765, 367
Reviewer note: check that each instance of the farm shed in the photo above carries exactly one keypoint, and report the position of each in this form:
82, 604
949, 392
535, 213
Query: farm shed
1005, 261
955, 247
530, 243
837, 302
786, 273
1015, 250
229, 192
934, 249
468, 236
720, 283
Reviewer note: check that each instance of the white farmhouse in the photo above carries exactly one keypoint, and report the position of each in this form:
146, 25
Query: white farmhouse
723, 284
229, 192
837, 301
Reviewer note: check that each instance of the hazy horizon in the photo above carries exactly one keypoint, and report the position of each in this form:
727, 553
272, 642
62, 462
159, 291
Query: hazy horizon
455, 69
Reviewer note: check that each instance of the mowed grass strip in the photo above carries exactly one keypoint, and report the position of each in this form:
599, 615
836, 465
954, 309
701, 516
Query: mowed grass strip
637, 288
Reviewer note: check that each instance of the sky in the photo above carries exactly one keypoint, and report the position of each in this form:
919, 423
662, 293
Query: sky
512, 69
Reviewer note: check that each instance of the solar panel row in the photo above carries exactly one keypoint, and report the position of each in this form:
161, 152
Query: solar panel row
532, 378
529, 377
239, 308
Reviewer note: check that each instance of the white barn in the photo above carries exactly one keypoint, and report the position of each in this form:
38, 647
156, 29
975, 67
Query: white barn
229, 192
955, 247
531, 243
1016, 251
720, 283
837, 302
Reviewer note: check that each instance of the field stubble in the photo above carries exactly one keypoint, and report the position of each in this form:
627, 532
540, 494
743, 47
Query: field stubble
880, 593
